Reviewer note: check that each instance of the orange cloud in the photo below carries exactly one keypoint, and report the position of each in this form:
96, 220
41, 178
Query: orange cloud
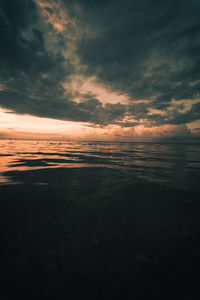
91, 86
54, 14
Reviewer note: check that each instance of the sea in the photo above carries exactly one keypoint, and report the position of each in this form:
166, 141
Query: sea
176, 164
99, 220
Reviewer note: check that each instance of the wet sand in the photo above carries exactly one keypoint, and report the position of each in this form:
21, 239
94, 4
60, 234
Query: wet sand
97, 233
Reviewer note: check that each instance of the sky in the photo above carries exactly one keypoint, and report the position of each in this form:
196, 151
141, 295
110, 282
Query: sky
105, 70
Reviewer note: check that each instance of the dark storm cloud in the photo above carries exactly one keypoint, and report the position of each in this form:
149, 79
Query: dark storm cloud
28, 71
32, 74
145, 49
62, 108
174, 117
148, 49
192, 115
127, 124
22, 44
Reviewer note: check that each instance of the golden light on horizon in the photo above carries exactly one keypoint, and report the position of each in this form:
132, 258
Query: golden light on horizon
10, 121
26, 126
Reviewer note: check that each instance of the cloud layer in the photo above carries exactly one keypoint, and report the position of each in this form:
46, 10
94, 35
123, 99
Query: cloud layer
145, 51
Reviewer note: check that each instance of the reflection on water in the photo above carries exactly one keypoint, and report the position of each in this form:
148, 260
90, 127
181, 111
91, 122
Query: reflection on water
169, 163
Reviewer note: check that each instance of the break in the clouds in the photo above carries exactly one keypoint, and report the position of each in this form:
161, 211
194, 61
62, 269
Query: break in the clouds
107, 63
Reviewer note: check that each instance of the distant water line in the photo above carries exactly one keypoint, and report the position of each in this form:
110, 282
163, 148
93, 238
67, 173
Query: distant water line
176, 164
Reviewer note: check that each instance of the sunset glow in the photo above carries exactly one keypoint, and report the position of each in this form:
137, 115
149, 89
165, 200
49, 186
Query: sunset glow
77, 77
25, 126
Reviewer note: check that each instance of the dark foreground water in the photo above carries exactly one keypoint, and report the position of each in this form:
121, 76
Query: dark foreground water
99, 220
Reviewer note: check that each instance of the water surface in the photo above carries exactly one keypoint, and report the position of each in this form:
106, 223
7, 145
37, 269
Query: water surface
171, 164
99, 220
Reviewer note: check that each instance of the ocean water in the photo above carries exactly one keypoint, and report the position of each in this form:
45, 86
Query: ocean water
174, 164
99, 220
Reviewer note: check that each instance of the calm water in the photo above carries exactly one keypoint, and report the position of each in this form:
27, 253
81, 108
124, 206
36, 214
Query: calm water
92, 219
173, 164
